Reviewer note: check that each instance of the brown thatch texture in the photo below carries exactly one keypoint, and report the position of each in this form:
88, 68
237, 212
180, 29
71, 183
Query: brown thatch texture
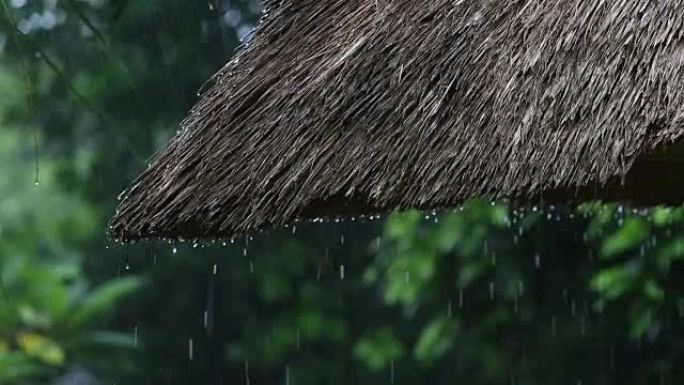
343, 106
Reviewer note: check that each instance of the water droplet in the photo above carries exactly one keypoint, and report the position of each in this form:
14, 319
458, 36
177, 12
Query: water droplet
573, 308
392, 372
175, 250
191, 349
342, 272
206, 319
515, 305
215, 269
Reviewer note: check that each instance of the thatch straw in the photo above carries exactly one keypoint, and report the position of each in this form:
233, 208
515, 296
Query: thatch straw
357, 106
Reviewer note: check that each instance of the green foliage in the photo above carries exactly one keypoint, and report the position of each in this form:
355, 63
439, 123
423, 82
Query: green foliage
379, 349
47, 314
639, 251
435, 340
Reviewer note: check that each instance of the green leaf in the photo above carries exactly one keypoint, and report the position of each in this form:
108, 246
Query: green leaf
41, 348
103, 299
377, 350
653, 291
17, 366
612, 283
435, 340
631, 234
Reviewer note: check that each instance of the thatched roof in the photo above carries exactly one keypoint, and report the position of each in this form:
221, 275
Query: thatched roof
358, 106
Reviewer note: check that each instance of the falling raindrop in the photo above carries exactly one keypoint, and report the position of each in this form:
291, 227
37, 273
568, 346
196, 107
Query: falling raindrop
287, 375
135, 336
521, 288
206, 319
491, 291
191, 349
537, 261
342, 272
515, 305
247, 382
450, 310
215, 269
175, 250
460, 299
341, 239
251, 266
573, 309
392, 372
407, 277
298, 339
